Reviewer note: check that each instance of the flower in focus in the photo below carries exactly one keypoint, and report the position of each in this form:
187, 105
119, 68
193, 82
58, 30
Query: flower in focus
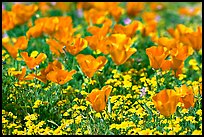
119, 48
60, 76
43, 76
99, 98
157, 56
76, 45
187, 96
32, 62
89, 64
166, 101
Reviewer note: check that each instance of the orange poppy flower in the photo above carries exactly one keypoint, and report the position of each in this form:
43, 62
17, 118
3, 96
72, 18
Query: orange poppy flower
167, 42
129, 30
186, 96
12, 50
35, 31
195, 39
179, 32
21, 43
157, 56
119, 48
89, 65
49, 68
101, 32
99, 98
60, 76
189, 11
76, 45
179, 54
55, 46
132, 11
23, 12
21, 75
7, 20
116, 12
94, 16
33, 62
166, 101
98, 43
149, 28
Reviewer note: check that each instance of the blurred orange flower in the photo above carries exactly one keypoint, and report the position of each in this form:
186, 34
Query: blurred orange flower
99, 98
7, 20
60, 76
93, 16
188, 11
76, 45
186, 96
195, 39
157, 56
33, 62
23, 12
89, 65
132, 11
129, 30
166, 101
119, 48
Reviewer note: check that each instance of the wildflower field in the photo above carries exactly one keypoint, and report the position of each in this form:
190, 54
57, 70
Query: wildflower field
101, 68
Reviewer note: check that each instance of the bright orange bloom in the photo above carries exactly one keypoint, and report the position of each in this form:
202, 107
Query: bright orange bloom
166, 42
59, 27
89, 65
132, 11
21, 43
189, 11
186, 96
99, 40
149, 29
166, 101
21, 75
76, 45
179, 32
94, 16
157, 56
195, 39
179, 54
7, 20
99, 98
60, 76
129, 30
33, 62
23, 12
55, 46
12, 50
42, 77
119, 48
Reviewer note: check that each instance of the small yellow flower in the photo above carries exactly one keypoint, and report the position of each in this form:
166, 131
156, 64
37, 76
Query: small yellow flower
199, 112
197, 132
